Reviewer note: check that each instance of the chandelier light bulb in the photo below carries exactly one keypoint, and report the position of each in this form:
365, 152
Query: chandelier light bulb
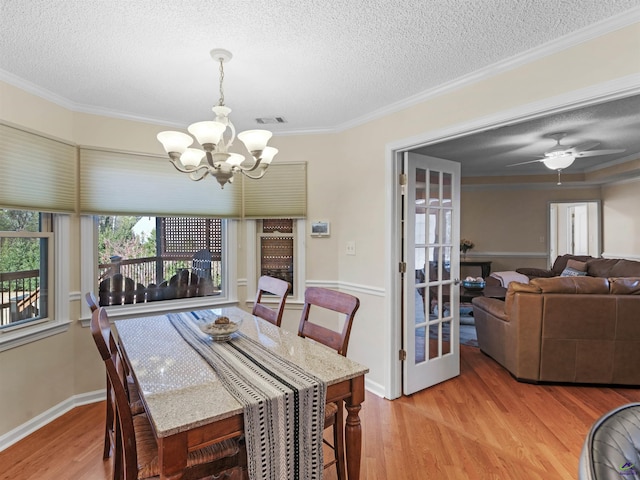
255, 140
191, 157
176, 142
267, 155
207, 132
235, 159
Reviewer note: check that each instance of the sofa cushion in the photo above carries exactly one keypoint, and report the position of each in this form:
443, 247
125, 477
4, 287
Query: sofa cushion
589, 285
572, 272
601, 267
515, 287
625, 268
624, 286
577, 265
561, 261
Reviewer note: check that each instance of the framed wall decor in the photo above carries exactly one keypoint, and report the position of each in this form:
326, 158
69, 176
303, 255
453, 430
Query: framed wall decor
320, 229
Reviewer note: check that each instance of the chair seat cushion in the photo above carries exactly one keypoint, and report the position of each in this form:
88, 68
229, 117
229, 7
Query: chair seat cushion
330, 411
137, 407
147, 450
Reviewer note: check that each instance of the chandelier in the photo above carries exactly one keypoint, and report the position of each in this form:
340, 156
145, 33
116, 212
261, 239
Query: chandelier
216, 137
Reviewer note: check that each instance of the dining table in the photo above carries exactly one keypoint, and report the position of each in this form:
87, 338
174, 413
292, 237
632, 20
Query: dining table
191, 404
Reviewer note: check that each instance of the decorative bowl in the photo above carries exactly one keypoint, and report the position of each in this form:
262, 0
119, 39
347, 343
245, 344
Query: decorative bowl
223, 329
473, 285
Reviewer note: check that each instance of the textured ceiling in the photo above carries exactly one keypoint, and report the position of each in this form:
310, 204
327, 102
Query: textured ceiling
320, 64
613, 125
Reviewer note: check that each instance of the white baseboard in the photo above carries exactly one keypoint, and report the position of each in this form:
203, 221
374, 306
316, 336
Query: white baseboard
374, 388
48, 416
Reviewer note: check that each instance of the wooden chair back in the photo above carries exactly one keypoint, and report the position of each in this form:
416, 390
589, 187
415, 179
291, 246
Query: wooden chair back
92, 301
274, 286
331, 300
201, 264
126, 457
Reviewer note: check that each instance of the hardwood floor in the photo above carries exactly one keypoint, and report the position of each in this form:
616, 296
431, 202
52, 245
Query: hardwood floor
480, 425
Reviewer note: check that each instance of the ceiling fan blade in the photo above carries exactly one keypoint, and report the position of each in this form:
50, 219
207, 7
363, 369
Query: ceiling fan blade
582, 146
594, 153
524, 163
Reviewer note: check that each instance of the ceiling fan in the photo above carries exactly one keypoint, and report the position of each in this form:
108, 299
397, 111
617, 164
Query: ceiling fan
562, 156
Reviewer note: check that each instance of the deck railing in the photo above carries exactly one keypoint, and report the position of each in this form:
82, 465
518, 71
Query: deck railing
20, 291
146, 279
20, 296
153, 270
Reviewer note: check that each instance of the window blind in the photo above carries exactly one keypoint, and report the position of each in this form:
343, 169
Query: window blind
36, 173
281, 193
119, 183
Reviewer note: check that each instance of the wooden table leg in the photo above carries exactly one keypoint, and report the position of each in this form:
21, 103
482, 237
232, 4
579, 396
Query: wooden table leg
353, 429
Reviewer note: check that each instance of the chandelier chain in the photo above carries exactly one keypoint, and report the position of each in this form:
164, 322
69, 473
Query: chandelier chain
221, 101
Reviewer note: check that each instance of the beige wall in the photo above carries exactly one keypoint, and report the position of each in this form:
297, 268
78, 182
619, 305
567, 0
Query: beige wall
347, 186
509, 226
621, 211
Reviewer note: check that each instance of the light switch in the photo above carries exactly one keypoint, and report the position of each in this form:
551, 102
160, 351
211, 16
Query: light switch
351, 247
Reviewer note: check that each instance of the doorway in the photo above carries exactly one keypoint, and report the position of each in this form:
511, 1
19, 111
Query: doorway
574, 228
393, 161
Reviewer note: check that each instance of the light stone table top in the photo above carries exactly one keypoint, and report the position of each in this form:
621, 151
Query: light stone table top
181, 391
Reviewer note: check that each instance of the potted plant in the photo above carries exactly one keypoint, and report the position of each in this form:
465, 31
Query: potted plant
465, 246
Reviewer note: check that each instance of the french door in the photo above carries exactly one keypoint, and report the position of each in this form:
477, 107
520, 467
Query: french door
431, 252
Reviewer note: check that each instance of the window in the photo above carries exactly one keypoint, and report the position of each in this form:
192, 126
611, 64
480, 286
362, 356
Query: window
282, 255
150, 259
26, 268
276, 246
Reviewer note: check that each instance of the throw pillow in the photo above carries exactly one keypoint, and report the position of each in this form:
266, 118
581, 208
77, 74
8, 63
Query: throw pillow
576, 265
572, 272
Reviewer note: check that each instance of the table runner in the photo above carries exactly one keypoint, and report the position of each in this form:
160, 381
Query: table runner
283, 405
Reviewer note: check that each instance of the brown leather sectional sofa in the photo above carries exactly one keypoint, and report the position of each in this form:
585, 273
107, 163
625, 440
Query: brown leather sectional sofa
565, 329
595, 267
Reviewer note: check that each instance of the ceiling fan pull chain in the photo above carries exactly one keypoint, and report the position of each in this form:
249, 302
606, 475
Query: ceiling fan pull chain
559, 182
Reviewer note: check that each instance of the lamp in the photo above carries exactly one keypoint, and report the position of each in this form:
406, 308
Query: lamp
216, 137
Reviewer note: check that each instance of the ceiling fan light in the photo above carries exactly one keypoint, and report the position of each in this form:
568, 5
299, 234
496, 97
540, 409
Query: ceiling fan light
558, 162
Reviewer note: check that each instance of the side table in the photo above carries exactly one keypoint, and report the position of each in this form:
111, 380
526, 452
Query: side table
484, 266
490, 291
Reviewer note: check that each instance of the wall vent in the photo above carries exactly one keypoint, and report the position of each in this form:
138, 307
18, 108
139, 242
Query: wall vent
264, 120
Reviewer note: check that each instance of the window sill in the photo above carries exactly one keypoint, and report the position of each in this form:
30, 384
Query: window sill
33, 333
160, 308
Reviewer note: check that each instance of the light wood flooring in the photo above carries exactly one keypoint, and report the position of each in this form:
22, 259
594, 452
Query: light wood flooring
480, 425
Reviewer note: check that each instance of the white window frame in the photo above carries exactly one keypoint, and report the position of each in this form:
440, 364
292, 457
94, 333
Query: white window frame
58, 320
89, 274
253, 260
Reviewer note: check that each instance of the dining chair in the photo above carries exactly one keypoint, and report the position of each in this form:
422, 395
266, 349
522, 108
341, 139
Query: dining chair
133, 395
339, 341
136, 448
273, 286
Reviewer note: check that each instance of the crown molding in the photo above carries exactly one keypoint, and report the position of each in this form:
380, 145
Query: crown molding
585, 34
